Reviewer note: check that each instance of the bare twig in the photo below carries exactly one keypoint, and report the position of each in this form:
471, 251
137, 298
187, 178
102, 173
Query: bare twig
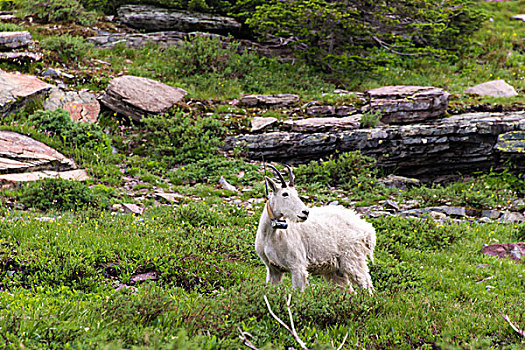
292, 332
245, 339
343, 342
519, 331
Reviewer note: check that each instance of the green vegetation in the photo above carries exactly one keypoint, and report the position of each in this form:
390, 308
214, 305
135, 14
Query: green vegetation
75, 274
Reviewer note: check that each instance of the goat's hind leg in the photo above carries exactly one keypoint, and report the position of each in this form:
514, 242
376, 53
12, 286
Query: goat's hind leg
340, 279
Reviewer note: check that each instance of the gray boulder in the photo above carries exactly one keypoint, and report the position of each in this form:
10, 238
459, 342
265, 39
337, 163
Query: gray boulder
494, 88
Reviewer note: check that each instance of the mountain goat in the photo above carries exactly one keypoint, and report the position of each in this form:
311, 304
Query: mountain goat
330, 241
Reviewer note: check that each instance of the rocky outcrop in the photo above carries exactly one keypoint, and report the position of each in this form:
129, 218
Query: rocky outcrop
407, 104
17, 89
15, 40
136, 96
25, 159
82, 105
461, 143
495, 88
269, 101
330, 111
152, 19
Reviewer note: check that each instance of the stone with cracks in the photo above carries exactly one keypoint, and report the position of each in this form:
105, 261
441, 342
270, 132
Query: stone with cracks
15, 40
152, 19
265, 101
136, 96
82, 105
312, 125
17, 89
494, 88
407, 104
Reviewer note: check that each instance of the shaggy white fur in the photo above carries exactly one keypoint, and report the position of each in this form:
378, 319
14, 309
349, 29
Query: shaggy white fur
332, 241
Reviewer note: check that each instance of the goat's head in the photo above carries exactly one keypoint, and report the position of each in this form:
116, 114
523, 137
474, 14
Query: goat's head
284, 200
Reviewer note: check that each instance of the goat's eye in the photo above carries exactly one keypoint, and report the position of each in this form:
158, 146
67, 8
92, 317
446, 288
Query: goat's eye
285, 194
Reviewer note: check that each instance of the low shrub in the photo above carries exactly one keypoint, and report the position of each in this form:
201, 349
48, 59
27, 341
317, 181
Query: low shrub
58, 194
180, 137
73, 134
67, 47
347, 171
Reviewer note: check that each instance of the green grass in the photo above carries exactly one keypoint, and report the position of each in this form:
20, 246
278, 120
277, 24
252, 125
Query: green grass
59, 282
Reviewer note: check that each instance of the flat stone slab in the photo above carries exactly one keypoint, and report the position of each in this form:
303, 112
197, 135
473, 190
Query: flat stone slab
20, 153
324, 124
15, 179
494, 88
82, 105
153, 19
17, 89
403, 104
276, 101
137, 96
15, 40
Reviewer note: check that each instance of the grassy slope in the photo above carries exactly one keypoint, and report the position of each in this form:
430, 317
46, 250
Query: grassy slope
58, 278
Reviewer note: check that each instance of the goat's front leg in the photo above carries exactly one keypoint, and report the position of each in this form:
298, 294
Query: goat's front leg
299, 279
273, 276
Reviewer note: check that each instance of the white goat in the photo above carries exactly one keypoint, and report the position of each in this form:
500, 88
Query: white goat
331, 241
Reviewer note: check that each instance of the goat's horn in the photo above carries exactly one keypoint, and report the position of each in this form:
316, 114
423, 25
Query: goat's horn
290, 174
278, 173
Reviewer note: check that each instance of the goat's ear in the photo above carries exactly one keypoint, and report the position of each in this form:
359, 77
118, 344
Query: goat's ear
271, 184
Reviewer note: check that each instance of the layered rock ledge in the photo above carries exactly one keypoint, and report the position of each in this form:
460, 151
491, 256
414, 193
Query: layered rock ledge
461, 143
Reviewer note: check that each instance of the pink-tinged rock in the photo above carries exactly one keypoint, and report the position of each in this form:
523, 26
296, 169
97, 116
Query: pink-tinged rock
324, 124
15, 40
137, 96
82, 105
404, 104
494, 88
514, 251
18, 89
20, 153
519, 17
15, 179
